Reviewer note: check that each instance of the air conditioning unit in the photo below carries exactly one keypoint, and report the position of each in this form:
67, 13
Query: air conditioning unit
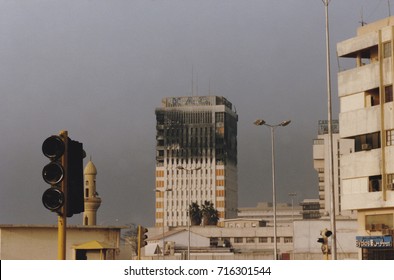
366, 147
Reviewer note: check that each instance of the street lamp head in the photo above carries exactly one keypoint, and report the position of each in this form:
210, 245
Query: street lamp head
284, 123
259, 122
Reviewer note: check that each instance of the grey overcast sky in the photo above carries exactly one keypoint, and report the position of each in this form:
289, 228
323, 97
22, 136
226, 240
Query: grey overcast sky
99, 68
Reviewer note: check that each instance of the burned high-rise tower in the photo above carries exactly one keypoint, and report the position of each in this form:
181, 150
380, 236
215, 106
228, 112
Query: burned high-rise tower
196, 157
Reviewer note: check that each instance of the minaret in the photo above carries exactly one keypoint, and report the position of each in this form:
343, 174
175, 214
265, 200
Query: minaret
92, 200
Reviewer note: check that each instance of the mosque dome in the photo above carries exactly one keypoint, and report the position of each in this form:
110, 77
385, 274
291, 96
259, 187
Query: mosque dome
90, 169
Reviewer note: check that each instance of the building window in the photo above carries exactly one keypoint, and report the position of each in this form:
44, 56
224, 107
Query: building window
390, 182
388, 93
375, 183
249, 239
367, 142
238, 239
390, 137
277, 240
263, 239
288, 239
372, 97
379, 222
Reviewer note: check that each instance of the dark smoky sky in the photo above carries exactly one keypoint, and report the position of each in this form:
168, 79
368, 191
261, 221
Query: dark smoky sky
100, 68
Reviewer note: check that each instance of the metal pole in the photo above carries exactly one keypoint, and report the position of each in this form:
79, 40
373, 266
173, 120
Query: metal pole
273, 190
62, 217
189, 172
330, 140
260, 122
164, 213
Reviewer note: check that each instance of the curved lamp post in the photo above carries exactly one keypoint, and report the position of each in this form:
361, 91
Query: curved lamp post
272, 127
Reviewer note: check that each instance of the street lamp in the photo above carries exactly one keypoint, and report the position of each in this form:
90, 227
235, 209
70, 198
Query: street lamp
272, 127
164, 212
189, 172
292, 195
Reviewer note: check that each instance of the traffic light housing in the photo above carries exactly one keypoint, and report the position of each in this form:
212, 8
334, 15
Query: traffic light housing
75, 198
325, 233
54, 148
64, 173
142, 236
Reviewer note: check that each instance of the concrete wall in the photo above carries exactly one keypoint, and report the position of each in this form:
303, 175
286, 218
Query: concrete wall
307, 232
26, 242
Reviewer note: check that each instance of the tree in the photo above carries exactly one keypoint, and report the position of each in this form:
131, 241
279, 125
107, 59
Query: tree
195, 214
130, 237
210, 216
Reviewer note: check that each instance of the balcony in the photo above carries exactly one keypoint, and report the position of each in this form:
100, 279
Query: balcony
360, 164
361, 121
358, 79
351, 47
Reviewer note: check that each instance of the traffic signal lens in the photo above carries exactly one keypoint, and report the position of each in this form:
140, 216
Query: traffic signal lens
53, 173
53, 199
53, 147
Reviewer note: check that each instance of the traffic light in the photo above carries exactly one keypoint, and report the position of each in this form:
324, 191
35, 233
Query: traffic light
325, 233
64, 173
141, 239
54, 148
75, 198
142, 236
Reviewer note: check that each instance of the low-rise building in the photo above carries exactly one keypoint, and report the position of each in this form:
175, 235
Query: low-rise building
40, 242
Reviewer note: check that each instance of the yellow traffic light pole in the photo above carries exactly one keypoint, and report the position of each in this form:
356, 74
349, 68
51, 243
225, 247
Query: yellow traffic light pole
62, 217
139, 243
141, 240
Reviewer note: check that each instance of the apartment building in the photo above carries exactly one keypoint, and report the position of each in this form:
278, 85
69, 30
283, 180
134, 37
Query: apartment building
367, 119
196, 157
321, 163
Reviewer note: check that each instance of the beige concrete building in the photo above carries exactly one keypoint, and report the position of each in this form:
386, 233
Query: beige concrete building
196, 157
367, 118
252, 239
285, 213
241, 239
39, 242
321, 163
306, 233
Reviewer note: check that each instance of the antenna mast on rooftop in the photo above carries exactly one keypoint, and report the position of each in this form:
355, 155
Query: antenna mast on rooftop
362, 17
